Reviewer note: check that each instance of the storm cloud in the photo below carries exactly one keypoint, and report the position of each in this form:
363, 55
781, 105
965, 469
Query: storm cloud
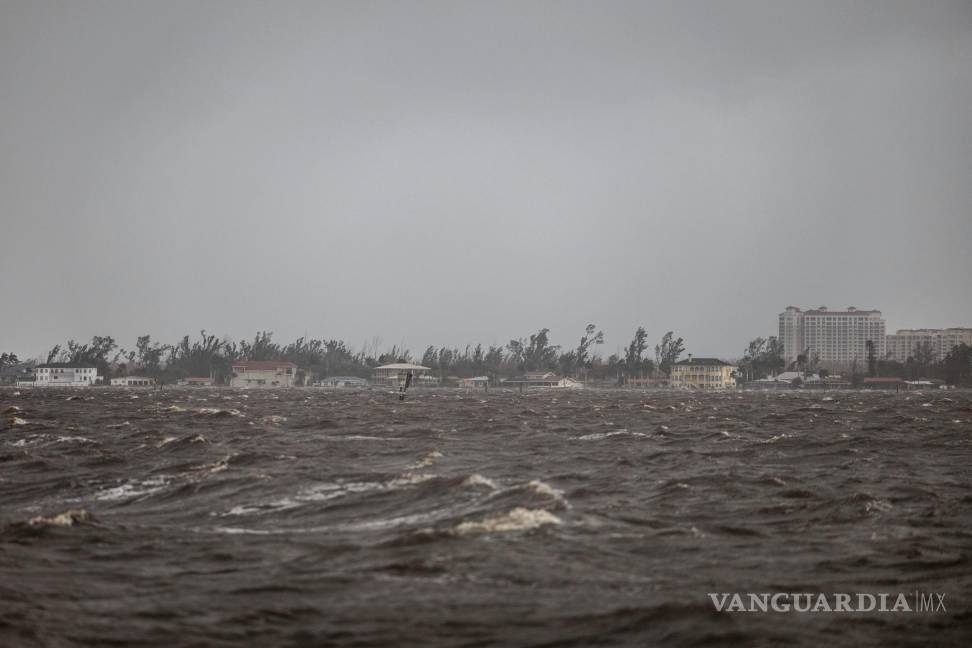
443, 173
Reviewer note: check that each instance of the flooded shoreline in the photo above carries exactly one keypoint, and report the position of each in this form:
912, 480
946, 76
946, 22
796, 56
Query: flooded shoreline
223, 517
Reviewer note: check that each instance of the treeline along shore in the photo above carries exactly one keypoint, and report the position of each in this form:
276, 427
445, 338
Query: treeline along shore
316, 358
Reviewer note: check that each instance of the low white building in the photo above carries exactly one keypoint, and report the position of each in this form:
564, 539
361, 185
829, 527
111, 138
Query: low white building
196, 381
544, 379
263, 374
335, 382
132, 381
62, 374
393, 375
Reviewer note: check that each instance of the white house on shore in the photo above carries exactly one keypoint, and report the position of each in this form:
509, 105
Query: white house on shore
544, 379
477, 382
393, 375
263, 373
63, 374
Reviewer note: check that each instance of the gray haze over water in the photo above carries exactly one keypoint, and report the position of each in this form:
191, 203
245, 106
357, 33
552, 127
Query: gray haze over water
455, 172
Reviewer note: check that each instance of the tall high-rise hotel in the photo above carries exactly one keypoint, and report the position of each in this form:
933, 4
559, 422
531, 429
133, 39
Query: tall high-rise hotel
839, 338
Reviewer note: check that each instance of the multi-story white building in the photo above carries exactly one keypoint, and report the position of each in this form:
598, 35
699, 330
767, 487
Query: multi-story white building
255, 373
838, 338
902, 344
61, 374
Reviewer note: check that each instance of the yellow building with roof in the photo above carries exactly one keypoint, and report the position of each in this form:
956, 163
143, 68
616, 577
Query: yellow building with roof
703, 373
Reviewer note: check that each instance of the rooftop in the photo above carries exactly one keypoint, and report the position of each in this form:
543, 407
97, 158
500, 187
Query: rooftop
403, 366
823, 310
704, 362
65, 365
259, 365
535, 377
539, 375
850, 310
954, 329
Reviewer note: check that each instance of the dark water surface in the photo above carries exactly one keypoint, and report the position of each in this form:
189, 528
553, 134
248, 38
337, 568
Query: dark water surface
214, 517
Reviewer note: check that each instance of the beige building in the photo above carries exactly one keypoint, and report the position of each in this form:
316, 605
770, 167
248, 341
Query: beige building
263, 373
902, 344
791, 333
839, 338
703, 373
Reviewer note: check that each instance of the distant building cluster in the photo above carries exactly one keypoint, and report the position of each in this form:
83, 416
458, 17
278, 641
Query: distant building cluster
838, 338
907, 342
792, 379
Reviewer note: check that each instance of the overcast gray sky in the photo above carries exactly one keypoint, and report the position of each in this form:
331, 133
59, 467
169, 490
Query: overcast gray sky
452, 172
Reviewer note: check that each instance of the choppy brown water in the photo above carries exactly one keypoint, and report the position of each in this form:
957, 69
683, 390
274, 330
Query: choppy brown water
216, 517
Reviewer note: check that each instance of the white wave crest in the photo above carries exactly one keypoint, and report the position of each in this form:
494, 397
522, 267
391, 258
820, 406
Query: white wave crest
410, 479
214, 467
428, 460
65, 519
329, 491
247, 509
478, 480
172, 408
133, 489
358, 437
545, 489
519, 519
215, 411
241, 531
878, 505
595, 436
73, 439
46, 439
